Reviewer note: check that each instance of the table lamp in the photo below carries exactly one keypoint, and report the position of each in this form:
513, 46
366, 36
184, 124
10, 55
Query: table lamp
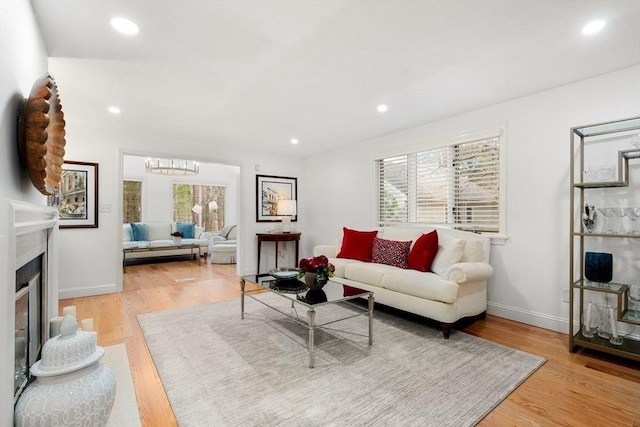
287, 209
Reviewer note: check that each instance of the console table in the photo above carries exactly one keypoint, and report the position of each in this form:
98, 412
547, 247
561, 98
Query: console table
276, 238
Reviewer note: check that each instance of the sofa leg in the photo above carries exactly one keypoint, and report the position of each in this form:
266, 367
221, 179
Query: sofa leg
446, 329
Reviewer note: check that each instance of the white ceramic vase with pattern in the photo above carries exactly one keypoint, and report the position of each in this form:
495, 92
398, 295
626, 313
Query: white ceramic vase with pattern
72, 388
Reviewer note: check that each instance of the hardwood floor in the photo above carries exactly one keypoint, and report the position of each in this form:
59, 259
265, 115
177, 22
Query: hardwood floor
572, 389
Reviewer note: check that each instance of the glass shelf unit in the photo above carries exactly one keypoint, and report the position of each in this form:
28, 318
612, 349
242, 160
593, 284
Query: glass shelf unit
606, 137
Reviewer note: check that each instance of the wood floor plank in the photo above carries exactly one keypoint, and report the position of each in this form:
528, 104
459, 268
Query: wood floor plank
570, 389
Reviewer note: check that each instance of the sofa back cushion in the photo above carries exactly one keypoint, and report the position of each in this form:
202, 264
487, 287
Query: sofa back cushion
401, 233
159, 230
423, 252
127, 235
357, 244
390, 252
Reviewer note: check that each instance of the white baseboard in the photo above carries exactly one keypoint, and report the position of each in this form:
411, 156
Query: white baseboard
88, 292
546, 321
540, 320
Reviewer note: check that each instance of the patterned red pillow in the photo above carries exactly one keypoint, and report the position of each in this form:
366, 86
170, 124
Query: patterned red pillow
391, 252
424, 252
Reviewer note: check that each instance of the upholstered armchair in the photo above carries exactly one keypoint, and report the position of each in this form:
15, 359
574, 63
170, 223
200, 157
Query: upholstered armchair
222, 245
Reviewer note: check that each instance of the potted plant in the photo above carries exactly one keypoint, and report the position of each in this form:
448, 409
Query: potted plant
316, 271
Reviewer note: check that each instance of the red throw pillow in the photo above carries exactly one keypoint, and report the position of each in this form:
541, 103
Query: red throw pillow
424, 251
357, 244
391, 252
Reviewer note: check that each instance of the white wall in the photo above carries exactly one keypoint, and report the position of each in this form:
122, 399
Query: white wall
23, 59
91, 259
157, 190
531, 269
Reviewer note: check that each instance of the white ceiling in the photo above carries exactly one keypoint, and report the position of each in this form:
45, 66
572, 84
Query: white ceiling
254, 74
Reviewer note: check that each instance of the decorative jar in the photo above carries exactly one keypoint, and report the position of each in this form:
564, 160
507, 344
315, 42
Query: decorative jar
72, 387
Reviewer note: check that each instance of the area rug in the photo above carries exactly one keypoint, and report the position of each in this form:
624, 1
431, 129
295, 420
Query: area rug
125, 408
220, 370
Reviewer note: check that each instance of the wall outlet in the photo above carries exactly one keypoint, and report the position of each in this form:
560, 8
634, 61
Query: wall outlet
565, 295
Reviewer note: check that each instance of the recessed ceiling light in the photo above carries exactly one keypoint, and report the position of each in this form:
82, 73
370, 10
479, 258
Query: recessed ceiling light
593, 27
114, 110
125, 26
382, 108
294, 141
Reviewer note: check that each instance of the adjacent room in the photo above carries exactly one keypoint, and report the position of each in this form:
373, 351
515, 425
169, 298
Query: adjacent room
320, 213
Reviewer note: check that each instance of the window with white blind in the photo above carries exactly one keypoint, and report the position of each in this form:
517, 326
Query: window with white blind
131, 201
458, 185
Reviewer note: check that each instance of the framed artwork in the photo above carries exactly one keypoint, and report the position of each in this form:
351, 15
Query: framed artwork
270, 189
77, 195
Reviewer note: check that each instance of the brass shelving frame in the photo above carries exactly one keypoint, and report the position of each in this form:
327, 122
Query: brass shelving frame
630, 348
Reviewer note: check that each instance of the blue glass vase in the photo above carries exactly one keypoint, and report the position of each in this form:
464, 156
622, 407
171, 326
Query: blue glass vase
598, 266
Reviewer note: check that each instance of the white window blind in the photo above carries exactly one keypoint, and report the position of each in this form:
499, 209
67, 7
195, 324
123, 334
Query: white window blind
457, 185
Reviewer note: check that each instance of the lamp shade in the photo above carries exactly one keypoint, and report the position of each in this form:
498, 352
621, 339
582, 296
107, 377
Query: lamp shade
213, 205
287, 208
197, 209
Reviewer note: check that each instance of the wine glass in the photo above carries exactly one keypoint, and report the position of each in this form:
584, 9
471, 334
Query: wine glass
634, 215
608, 213
589, 218
619, 214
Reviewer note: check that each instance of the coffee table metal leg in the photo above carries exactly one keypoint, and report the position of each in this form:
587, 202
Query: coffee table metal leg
312, 322
371, 302
242, 285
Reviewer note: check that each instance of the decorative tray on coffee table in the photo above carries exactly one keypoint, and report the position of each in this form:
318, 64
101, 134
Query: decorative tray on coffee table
286, 281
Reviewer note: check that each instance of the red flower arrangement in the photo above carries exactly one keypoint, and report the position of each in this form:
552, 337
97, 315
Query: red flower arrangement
177, 234
319, 265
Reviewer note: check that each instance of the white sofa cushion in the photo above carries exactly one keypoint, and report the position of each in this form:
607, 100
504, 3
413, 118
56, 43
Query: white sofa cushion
341, 263
126, 232
424, 285
158, 231
450, 251
369, 272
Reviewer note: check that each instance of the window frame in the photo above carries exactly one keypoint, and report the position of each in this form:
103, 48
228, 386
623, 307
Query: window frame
198, 223
435, 144
142, 196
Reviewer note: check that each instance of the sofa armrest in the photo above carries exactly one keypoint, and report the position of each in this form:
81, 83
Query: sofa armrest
329, 251
464, 272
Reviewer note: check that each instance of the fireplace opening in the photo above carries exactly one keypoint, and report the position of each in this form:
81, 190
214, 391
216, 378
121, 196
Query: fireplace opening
30, 327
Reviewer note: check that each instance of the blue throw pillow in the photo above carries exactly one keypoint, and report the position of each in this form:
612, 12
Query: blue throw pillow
187, 228
138, 231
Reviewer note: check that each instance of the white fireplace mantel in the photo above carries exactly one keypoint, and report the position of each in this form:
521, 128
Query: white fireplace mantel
26, 230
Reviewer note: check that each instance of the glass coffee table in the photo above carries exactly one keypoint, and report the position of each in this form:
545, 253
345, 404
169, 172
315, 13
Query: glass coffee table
297, 293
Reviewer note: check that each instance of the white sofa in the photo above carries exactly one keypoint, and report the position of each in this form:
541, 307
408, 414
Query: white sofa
456, 291
159, 234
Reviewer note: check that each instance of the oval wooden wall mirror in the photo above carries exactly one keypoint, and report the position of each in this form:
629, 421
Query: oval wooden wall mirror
41, 135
